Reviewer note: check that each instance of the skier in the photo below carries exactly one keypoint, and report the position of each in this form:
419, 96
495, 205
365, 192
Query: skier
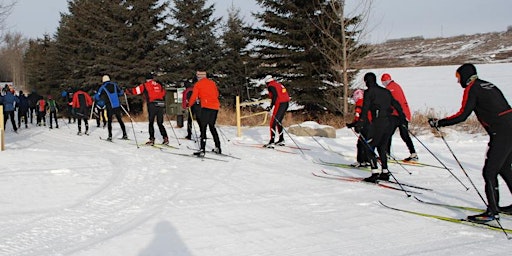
68, 95
110, 92
380, 102
33, 97
9, 100
194, 110
52, 106
23, 108
41, 111
81, 104
205, 90
398, 94
495, 114
279, 103
154, 95
363, 159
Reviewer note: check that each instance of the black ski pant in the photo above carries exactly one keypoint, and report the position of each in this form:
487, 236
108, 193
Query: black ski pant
115, 112
276, 121
157, 112
22, 114
208, 119
378, 137
362, 147
497, 162
10, 115
53, 116
404, 134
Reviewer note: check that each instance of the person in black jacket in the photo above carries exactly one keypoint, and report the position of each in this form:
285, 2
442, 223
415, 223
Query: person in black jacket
495, 114
379, 101
23, 109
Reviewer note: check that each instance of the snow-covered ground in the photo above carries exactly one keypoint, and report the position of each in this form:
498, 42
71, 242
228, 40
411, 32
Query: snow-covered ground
63, 194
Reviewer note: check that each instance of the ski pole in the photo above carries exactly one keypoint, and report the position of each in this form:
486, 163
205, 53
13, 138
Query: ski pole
222, 134
470, 180
363, 139
313, 137
272, 117
131, 121
360, 137
172, 128
194, 127
439, 160
92, 109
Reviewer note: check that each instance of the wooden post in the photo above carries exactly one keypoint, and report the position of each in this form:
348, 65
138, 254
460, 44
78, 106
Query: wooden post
2, 133
238, 121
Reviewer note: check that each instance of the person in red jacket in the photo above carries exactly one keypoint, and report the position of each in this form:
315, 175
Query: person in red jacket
398, 94
154, 95
81, 103
279, 102
193, 112
205, 90
362, 157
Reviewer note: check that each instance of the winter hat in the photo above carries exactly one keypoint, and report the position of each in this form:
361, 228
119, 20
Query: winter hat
466, 73
268, 79
370, 79
105, 78
385, 79
357, 95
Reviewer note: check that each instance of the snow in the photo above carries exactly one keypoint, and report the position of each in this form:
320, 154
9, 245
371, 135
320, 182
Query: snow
64, 194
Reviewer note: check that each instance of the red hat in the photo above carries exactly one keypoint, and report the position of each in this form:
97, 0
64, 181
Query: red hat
385, 77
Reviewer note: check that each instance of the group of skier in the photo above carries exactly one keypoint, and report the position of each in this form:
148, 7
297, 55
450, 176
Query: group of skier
380, 110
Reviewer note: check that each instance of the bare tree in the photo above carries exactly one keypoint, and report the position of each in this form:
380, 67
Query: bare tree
333, 21
5, 11
12, 52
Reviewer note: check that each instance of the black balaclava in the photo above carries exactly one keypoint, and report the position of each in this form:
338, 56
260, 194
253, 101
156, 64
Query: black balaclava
370, 79
466, 73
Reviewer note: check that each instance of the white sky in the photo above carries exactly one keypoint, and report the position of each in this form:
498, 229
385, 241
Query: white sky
389, 19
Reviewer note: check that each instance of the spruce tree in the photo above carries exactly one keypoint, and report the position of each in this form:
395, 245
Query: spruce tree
288, 46
194, 44
235, 64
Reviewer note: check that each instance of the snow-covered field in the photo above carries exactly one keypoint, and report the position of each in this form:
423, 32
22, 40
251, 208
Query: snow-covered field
63, 194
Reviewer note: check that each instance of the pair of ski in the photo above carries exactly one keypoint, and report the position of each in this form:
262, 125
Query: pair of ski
344, 165
486, 225
384, 184
276, 148
221, 154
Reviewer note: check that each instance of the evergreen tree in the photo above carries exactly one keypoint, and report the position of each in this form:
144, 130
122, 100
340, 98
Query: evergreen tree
194, 44
235, 64
36, 63
289, 47
121, 38
285, 50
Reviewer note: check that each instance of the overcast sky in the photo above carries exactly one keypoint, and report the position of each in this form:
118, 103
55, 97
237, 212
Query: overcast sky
389, 19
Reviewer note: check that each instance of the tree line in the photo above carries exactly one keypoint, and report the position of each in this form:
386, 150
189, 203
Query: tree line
298, 42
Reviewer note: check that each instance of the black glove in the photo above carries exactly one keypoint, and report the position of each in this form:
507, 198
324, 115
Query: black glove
433, 122
359, 126
351, 125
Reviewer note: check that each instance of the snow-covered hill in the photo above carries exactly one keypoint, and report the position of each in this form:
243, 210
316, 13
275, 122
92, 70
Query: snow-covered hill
411, 52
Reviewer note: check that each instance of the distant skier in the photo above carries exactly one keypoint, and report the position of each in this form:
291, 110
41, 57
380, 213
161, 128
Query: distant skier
9, 100
53, 108
206, 91
41, 111
154, 96
380, 103
495, 114
81, 104
195, 110
23, 108
363, 160
279, 104
398, 94
110, 92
